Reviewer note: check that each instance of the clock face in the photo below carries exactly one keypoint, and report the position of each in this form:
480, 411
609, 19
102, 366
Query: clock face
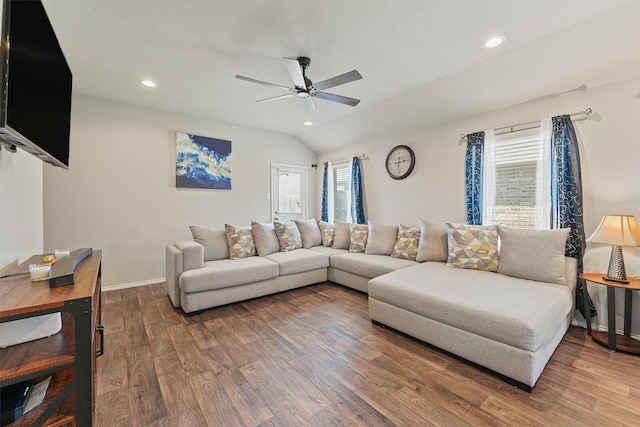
400, 162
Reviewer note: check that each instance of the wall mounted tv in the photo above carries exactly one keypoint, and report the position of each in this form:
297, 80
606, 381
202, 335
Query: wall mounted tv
35, 104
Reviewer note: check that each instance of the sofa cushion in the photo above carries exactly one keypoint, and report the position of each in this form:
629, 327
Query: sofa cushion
533, 254
433, 245
358, 238
213, 240
381, 238
310, 232
406, 246
264, 236
328, 250
327, 232
368, 265
288, 235
226, 273
342, 236
514, 311
240, 241
473, 246
299, 261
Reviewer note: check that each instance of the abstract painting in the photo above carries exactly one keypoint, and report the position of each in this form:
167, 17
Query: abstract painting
202, 162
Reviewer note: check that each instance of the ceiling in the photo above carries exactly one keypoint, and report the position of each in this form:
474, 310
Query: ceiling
422, 61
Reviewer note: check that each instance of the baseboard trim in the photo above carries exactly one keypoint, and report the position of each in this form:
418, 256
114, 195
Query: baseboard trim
601, 328
132, 284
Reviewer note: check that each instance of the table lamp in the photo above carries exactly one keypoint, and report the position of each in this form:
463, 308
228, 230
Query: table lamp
617, 230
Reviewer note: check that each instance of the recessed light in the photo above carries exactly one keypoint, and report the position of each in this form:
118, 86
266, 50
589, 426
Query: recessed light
148, 83
493, 42
308, 123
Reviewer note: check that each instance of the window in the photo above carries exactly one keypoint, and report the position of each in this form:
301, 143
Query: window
341, 192
513, 181
288, 191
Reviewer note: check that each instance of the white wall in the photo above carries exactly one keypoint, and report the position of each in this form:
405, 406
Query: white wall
21, 233
610, 157
119, 194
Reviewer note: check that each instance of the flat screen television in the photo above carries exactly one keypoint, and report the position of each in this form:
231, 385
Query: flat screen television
35, 104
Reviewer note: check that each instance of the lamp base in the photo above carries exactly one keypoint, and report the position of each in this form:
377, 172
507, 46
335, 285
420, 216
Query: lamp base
616, 270
612, 279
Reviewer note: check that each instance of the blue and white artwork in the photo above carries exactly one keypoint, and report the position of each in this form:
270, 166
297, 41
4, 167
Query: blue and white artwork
202, 162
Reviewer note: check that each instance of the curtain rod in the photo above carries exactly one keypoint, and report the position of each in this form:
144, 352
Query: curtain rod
532, 125
337, 162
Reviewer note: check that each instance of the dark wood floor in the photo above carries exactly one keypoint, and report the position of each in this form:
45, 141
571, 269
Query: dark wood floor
311, 357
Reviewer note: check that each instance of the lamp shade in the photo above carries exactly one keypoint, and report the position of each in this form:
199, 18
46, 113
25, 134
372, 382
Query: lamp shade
621, 230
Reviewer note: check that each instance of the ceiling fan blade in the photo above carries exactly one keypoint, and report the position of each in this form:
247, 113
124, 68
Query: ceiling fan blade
338, 80
337, 98
293, 66
273, 98
249, 79
309, 104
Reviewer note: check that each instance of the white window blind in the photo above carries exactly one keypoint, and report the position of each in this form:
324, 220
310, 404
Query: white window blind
515, 165
290, 193
341, 193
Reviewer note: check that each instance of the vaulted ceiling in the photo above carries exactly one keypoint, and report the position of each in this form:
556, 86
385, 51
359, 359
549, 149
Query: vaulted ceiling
422, 61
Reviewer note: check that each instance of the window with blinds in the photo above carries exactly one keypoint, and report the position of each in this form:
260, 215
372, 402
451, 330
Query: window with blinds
341, 193
290, 193
516, 157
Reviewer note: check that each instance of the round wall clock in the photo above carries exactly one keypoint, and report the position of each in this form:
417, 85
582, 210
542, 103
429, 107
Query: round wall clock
400, 162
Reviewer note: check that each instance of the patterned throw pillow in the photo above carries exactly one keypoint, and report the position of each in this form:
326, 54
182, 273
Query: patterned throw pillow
288, 235
473, 246
240, 240
327, 231
407, 244
358, 241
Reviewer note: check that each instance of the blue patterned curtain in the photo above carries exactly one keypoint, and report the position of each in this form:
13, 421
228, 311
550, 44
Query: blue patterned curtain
325, 193
473, 177
566, 197
357, 204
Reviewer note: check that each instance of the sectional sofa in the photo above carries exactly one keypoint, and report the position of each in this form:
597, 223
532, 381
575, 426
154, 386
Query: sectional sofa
445, 284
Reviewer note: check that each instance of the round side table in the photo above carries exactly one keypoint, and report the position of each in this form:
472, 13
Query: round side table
610, 338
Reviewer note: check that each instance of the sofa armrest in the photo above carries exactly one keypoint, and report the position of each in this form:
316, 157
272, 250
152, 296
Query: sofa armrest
181, 256
192, 254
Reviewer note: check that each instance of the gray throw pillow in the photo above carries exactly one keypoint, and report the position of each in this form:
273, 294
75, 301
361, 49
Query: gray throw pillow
265, 238
533, 254
341, 236
310, 232
433, 245
214, 241
381, 239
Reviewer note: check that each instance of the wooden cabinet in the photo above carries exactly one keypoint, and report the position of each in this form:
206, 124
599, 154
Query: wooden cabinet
69, 356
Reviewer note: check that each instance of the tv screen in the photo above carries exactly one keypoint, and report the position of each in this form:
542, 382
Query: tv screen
37, 80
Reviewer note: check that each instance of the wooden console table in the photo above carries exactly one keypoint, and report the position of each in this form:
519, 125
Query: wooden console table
69, 356
610, 338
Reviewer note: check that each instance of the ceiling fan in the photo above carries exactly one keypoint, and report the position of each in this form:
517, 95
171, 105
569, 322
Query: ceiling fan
305, 88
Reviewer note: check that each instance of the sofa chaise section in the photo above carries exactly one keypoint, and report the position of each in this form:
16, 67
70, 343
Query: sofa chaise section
507, 324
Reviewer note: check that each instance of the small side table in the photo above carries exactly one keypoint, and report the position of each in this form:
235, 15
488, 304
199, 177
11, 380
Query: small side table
610, 338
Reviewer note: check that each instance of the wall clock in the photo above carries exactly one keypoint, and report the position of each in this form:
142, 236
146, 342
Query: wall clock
400, 162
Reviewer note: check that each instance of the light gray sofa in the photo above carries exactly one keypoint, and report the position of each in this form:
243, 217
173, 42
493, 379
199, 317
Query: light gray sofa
510, 325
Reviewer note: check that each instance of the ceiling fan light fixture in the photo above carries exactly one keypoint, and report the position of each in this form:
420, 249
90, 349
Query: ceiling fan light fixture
308, 123
303, 94
493, 42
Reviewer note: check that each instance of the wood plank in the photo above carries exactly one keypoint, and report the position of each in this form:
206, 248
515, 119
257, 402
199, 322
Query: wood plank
311, 356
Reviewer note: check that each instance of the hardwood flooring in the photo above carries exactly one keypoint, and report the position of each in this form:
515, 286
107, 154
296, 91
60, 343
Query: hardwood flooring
312, 357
